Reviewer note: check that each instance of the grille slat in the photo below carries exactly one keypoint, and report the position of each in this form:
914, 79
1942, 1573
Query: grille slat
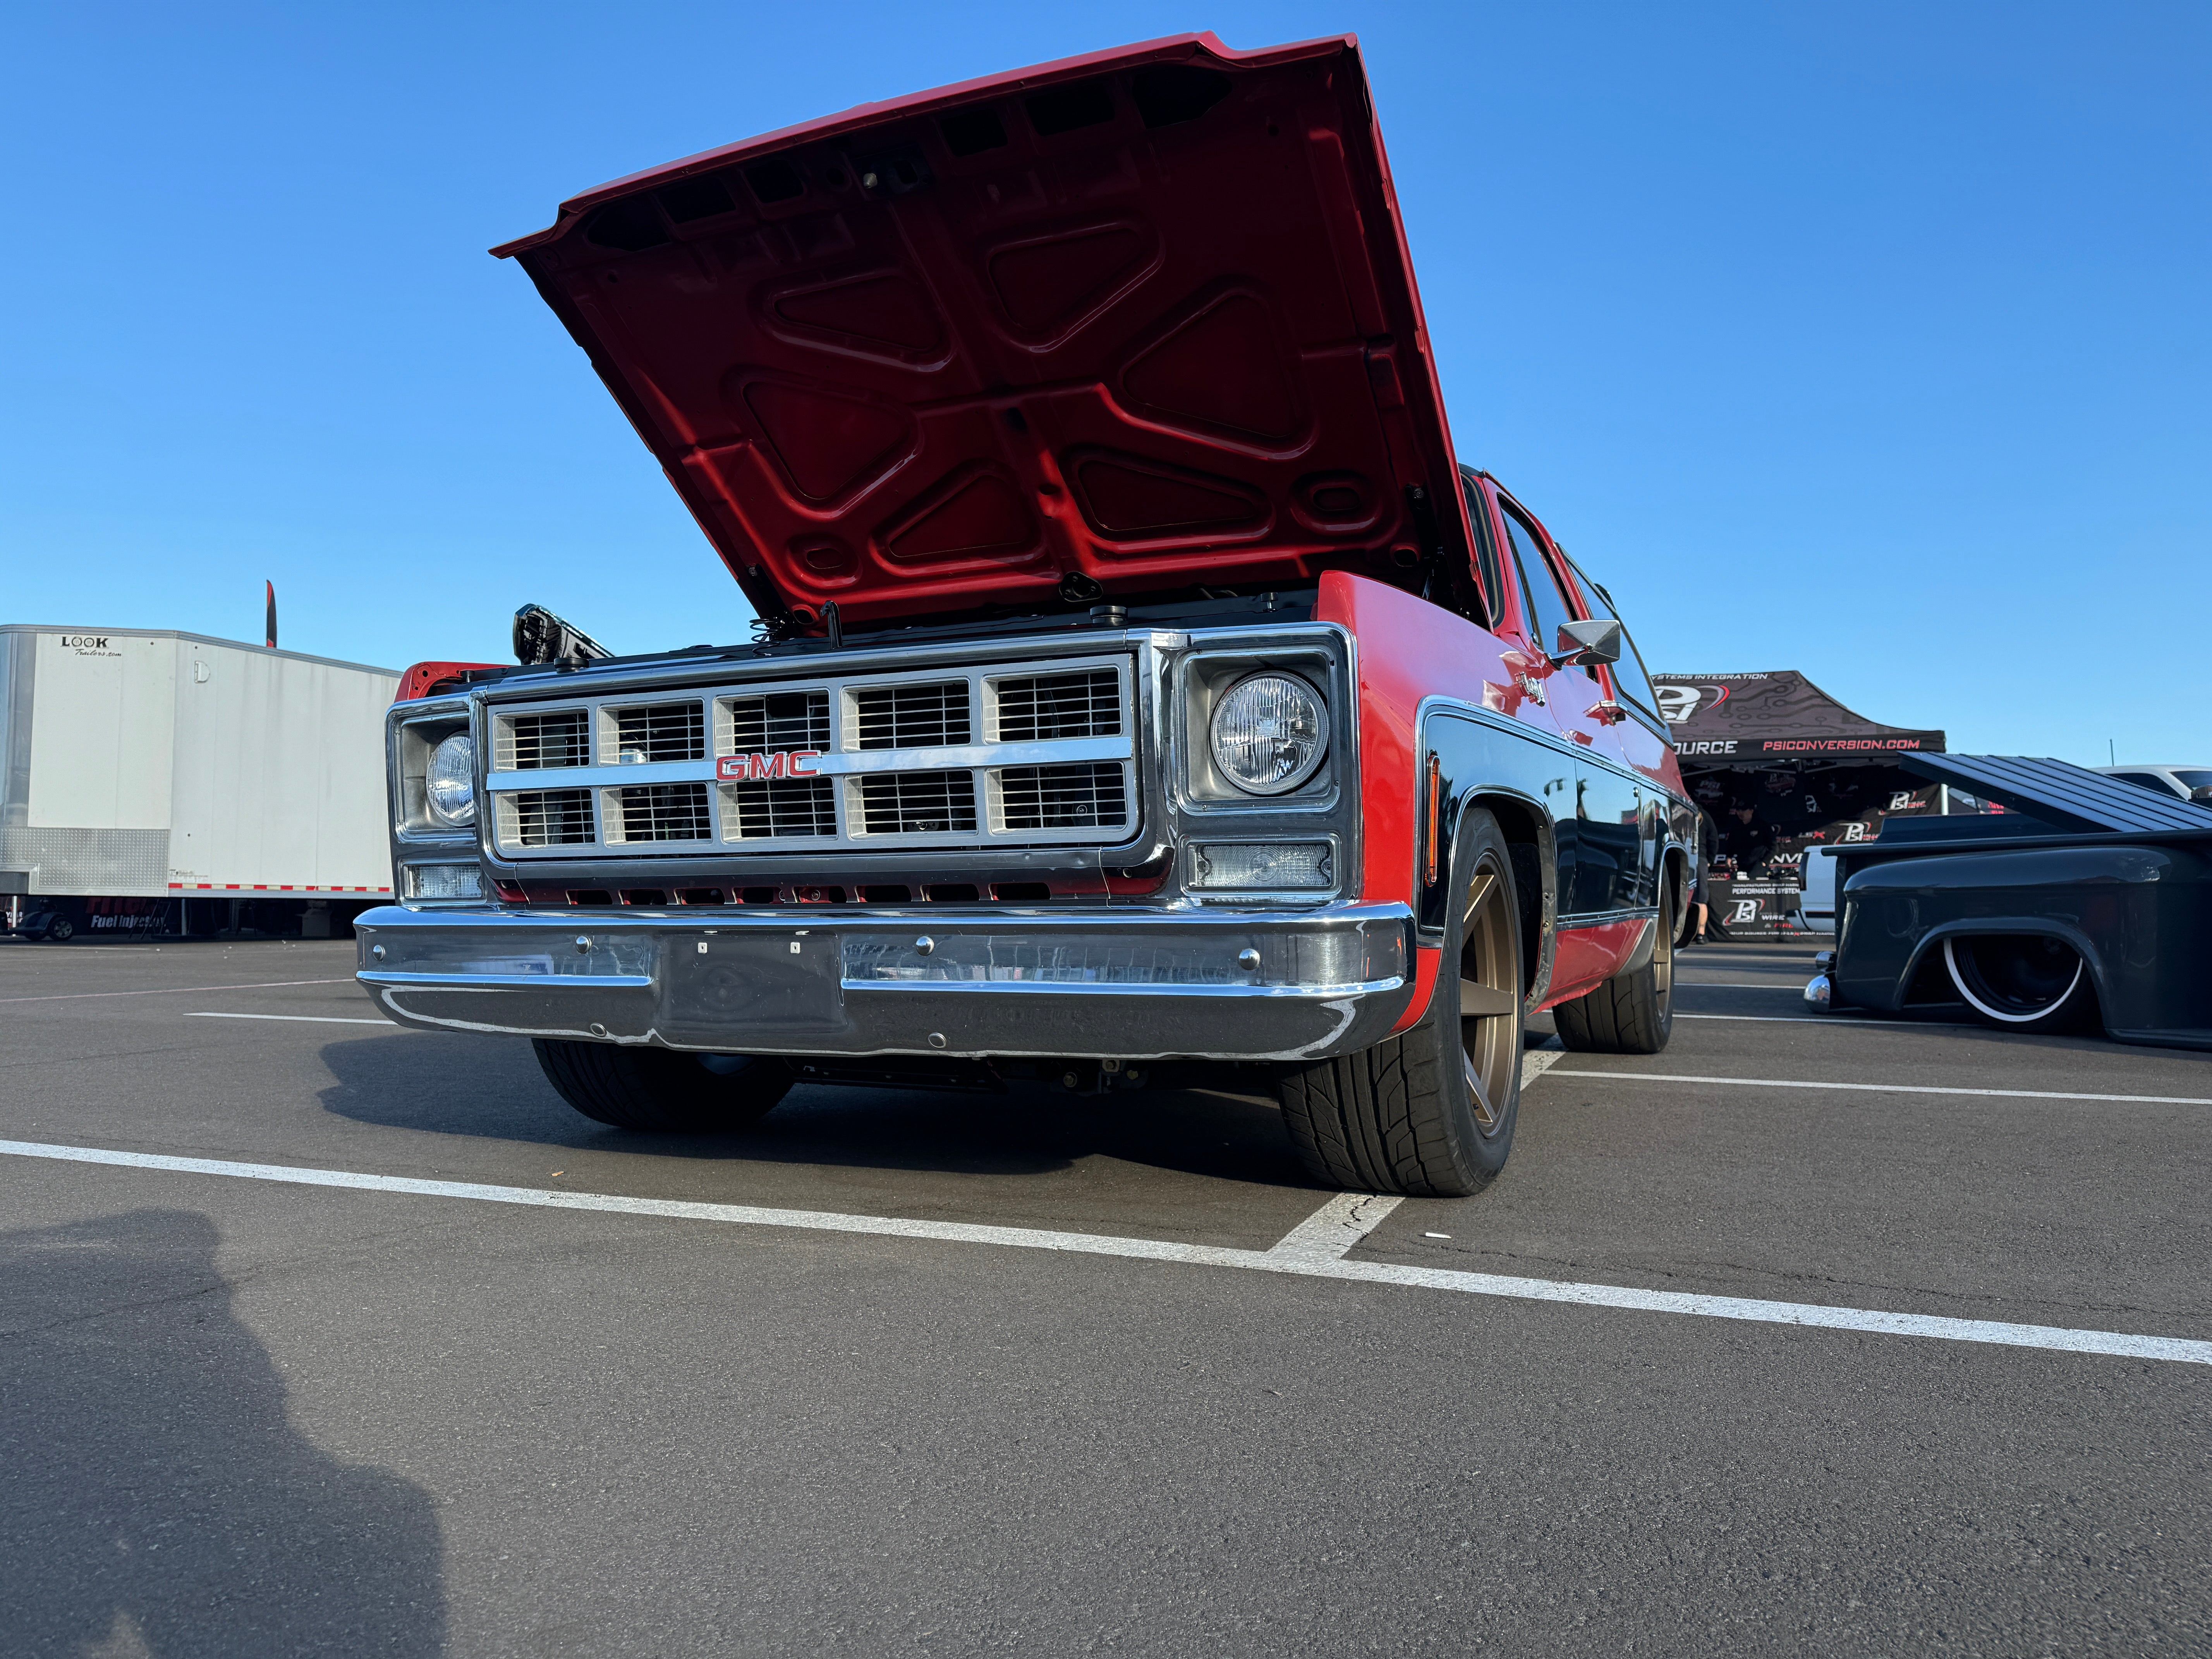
781, 806
659, 732
663, 811
911, 716
546, 817
917, 803
538, 743
780, 720
1038, 707
1078, 797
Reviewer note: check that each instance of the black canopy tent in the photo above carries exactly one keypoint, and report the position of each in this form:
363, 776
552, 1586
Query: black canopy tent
1779, 764
1749, 720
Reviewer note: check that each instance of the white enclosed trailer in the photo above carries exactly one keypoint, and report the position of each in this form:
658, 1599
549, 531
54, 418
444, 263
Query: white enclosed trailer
142, 765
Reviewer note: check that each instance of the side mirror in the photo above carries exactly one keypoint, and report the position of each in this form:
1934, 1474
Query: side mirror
1586, 644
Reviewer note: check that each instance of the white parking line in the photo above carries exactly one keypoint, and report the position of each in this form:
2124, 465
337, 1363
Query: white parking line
1887, 1088
172, 990
1537, 1061
306, 1019
1842, 1019
1334, 1228
1308, 1264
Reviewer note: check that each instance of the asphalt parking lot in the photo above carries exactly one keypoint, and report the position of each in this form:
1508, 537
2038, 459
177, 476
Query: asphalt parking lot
435, 1411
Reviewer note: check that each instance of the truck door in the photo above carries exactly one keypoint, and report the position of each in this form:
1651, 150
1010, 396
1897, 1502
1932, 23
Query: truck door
1599, 808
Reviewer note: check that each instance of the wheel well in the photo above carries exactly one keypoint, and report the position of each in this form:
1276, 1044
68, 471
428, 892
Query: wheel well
1517, 823
1931, 981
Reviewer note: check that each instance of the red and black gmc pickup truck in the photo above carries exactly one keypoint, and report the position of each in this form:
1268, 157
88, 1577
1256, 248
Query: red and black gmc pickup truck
1141, 681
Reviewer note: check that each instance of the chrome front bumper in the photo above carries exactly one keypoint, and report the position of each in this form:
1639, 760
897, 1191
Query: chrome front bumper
1102, 982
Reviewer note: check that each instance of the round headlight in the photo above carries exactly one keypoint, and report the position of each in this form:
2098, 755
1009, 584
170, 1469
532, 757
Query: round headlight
1269, 733
451, 783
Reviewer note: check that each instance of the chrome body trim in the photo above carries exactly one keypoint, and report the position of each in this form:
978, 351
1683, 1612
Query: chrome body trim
1607, 918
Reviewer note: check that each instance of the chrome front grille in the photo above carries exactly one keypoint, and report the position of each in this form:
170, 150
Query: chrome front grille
1037, 708
779, 720
783, 807
658, 731
835, 762
546, 817
917, 803
910, 716
1061, 796
662, 811
538, 743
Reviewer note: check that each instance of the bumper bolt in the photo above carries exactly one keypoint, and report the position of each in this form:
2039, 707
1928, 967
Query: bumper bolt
1248, 960
924, 945
583, 943
377, 950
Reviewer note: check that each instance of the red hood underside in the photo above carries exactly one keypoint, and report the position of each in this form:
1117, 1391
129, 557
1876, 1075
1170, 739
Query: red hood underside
1145, 317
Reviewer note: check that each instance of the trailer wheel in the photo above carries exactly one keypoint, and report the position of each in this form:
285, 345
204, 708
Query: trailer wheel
1431, 1111
60, 930
661, 1092
2022, 981
1632, 1012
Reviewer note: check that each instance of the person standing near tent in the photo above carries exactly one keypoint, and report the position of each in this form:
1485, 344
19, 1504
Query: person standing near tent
1708, 841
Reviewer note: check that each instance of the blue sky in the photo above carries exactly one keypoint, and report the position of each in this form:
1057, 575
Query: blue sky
1870, 340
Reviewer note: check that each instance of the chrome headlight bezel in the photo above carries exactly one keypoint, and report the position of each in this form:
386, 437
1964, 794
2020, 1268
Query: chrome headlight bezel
1315, 720
449, 783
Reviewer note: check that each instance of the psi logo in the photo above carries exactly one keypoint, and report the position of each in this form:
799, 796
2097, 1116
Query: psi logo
1745, 910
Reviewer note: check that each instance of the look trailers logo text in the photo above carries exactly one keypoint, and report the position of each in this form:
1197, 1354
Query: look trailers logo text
755, 769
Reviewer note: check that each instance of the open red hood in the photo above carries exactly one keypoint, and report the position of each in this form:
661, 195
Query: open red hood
1145, 317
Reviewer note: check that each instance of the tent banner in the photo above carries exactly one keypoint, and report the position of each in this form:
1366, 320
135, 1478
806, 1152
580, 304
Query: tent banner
1732, 719
1752, 909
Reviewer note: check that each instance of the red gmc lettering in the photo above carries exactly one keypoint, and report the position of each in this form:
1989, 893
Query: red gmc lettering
742, 769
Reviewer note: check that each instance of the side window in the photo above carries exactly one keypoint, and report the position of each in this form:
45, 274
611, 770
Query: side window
1537, 581
1629, 674
1486, 552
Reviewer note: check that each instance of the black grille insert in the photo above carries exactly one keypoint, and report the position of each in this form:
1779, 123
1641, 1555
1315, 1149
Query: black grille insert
1080, 797
779, 807
780, 720
911, 716
664, 811
660, 731
917, 803
547, 818
538, 742
1041, 706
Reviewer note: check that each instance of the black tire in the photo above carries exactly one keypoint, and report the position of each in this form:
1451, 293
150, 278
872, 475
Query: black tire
661, 1091
1632, 1012
2022, 981
1431, 1111
60, 930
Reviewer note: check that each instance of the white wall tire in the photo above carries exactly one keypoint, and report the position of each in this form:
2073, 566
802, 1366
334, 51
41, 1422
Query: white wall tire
2021, 982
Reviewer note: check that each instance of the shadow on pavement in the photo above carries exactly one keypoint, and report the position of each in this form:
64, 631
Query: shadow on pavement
492, 1087
157, 1500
